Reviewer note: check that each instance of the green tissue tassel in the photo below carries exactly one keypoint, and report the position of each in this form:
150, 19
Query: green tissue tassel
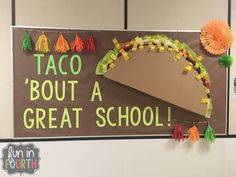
210, 134
226, 61
27, 43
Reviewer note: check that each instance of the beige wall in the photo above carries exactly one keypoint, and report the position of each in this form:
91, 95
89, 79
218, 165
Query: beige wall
174, 14
71, 13
135, 158
120, 158
6, 96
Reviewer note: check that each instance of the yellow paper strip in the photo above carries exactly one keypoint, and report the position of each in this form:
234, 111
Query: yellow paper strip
205, 100
199, 76
151, 46
116, 43
124, 54
189, 67
112, 65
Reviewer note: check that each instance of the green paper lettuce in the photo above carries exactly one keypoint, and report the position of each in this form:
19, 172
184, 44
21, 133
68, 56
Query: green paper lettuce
226, 61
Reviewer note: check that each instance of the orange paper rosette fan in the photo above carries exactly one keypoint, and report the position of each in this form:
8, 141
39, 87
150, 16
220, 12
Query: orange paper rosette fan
216, 37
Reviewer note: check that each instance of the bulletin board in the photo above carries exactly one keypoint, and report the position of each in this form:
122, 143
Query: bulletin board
131, 97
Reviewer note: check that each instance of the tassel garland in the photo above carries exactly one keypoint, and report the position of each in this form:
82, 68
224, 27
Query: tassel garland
43, 44
193, 134
27, 43
61, 45
210, 134
177, 133
77, 44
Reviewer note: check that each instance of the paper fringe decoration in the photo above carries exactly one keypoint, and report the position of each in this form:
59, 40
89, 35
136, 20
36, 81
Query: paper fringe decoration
216, 37
177, 133
27, 43
78, 44
61, 44
226, 61
90, 44
43, 44
193, 134
209, 134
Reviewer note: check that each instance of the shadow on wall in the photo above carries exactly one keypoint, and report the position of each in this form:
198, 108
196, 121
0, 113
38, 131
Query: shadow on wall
187, 145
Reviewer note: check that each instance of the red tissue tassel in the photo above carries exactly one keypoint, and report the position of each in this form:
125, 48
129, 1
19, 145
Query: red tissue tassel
177, 133
90, 45
77, 44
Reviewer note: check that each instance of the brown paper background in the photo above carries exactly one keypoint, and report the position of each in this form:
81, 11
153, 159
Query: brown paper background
114, 94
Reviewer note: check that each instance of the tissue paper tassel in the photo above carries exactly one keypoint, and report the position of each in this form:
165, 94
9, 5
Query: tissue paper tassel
193, 134
209, 134
43, 44
78, 44
27, 43
177, 133
90, 44
61, 45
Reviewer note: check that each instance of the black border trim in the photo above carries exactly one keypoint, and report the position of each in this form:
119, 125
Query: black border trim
125, 14
228, 73
13, 12
124, 137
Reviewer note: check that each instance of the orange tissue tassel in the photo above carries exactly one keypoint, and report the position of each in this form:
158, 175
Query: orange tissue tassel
193, 134
61, 45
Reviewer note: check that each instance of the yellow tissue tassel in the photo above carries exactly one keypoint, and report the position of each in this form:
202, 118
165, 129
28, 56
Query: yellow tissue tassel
43, 44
